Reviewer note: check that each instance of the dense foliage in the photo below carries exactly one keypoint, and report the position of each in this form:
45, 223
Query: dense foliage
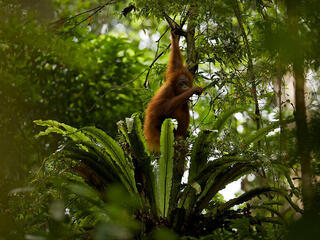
82, 68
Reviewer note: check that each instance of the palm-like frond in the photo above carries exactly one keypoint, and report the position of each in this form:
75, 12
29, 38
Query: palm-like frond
200, 152
165, 166
224, 177
103, 161
246, 197
144, 172
93, 140
114, 153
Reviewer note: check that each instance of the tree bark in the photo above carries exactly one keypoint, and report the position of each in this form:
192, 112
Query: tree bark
283, 138
300, 116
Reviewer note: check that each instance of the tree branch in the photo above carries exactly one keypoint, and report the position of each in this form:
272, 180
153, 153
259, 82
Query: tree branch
237, 12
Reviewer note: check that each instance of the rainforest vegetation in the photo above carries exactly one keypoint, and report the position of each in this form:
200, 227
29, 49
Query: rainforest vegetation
76, 78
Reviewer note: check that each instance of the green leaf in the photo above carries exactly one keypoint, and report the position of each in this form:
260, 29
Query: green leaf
91, 160
224, 177
112, 148
144, 173
218, 125
60, 128
214, 167
93, 139
196, 187
206, 179
165, 166
259, 134
246, 197
63, 129
199, 158
200, 152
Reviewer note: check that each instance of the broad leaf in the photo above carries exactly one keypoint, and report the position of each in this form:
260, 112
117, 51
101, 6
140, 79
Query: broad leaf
144, 173
165, 166
199, 154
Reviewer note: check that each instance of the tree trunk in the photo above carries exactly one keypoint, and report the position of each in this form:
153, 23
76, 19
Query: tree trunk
301, 120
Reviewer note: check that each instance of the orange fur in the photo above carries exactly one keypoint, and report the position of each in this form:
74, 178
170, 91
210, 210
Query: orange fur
167, 103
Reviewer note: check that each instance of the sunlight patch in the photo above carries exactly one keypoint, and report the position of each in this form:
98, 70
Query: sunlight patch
231, 190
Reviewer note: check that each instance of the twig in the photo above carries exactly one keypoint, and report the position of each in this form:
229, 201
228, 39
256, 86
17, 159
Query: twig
145, 84
175, 26
117, 87
184, 20
95, 11
210, 107
61, 21
71, 201
83, 20
250, 64
153, 62
158, 41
